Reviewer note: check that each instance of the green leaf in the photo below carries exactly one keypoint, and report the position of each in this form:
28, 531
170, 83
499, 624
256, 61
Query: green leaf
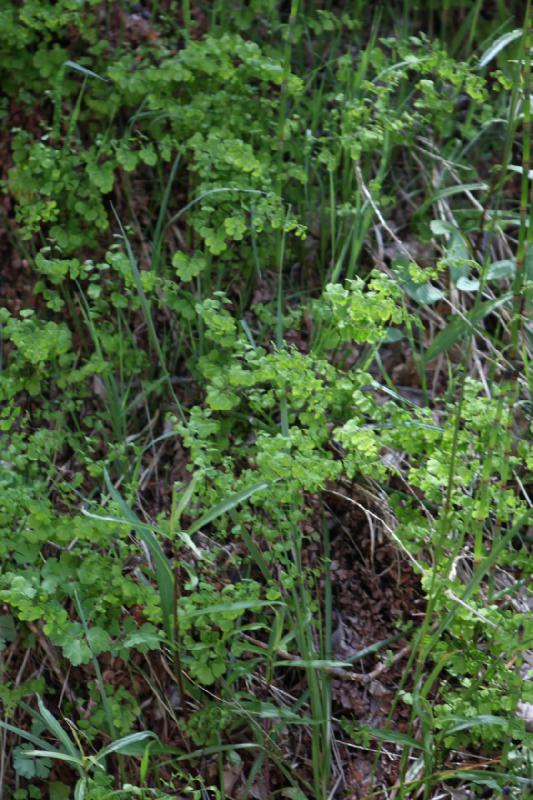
449, 191
102, 176
462, 724
465, 284
81, 789
88, 73
313, 663
25, 735
99, 640
497, 46
163, 570
57, 755
395, 737
425, 294
77, 651
7, 628
58, 791
461, 326
226, 505
27, 766
188, 267
501, 269
128, 745
393, 335
441, 228
225, 608
146, 637
54, 727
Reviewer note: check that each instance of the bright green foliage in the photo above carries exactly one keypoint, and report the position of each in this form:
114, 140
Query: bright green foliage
265, 255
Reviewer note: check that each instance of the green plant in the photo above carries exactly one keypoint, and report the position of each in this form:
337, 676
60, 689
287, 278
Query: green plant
69, 750
257, 261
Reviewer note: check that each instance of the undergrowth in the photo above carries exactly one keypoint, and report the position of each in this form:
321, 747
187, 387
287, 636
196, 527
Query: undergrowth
266, 400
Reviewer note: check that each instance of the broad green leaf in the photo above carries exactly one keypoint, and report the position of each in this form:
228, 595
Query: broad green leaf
465, 284
501, 269
497, 46
425, 294
458, 257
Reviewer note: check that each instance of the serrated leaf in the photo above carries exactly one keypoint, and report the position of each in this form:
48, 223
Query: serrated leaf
146, 637
77, 651
188, 266
99, 640
30, 767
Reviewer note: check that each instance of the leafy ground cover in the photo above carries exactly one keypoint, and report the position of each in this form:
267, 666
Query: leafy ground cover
266, 400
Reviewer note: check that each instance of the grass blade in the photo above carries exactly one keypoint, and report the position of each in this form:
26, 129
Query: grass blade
227, 505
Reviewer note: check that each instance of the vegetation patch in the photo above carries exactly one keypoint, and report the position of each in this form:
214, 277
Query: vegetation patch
265, 384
